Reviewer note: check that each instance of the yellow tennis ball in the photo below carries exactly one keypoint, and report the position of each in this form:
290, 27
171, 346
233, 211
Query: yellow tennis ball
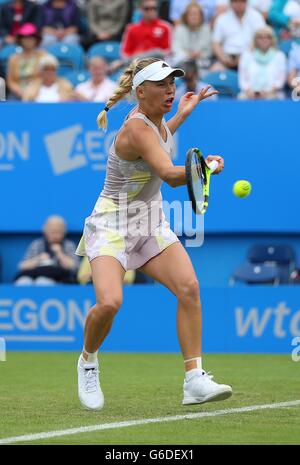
241, 188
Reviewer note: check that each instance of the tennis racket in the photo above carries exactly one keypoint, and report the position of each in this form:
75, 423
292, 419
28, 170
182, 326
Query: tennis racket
198, 179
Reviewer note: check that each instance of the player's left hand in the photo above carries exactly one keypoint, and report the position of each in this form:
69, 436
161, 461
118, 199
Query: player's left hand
189, 101
219, 159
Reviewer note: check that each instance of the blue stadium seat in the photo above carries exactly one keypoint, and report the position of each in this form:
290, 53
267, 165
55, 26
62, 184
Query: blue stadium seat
77, 77
6, 52
109, 50
286, 45
70, 57
251, 273
226, 82
2, 2
281, 255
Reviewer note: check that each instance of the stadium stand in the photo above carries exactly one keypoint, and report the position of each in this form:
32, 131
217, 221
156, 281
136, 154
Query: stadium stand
226, 82
109, 50
281, 255
70, 57
250, 273
267, 264
77, 77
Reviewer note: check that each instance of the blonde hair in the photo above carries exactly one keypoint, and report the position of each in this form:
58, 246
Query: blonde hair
191, 5
124, 87
48, 60
265, 30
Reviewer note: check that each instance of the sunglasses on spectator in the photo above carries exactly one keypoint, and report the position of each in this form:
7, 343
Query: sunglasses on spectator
264, 37
149, 8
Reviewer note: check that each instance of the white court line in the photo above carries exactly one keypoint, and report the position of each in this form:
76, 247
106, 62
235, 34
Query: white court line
145, 421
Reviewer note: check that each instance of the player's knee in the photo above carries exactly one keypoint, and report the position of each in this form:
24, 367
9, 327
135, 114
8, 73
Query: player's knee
108, 307
189, 291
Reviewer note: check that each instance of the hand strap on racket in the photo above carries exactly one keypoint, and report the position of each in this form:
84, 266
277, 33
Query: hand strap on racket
213, 165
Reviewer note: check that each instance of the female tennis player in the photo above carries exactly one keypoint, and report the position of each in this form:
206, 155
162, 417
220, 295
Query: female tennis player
117, 237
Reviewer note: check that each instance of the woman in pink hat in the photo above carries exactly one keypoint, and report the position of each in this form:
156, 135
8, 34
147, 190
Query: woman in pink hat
23, 67
14, 14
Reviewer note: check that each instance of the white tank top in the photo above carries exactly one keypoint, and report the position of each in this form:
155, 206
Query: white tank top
137, 183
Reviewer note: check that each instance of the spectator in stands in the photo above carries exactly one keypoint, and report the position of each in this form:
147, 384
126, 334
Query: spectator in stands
60, 21
106, 20
191, 82
15, 14
192, 38
262, 70
177, 8
233, 33
149, 37
97, 89
49, 87
294, 70
284, 16
51, 259
263, 6
23, 67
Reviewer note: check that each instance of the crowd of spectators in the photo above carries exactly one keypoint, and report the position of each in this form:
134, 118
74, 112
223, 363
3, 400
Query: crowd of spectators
203, 36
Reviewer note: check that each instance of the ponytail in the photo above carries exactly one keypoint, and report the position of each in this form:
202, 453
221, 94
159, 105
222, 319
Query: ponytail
124, 88
102, 119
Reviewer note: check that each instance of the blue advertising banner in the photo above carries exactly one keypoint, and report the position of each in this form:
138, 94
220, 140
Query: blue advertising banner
255, 319
53, 158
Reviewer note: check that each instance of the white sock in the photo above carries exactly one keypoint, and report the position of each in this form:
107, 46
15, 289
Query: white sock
191, 373
91, 357
198, 360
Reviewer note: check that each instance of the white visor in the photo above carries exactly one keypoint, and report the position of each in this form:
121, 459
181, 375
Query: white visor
157, 71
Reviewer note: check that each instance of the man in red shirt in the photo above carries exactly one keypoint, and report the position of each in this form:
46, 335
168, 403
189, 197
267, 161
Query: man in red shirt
151, 36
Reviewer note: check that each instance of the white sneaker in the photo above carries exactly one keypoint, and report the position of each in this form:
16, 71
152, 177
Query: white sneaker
89, 390
198, 387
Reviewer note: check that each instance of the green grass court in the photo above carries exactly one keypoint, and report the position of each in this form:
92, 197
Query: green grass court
38, 393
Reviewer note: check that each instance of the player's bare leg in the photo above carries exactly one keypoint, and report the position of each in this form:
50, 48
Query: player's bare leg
173, 268
108, 277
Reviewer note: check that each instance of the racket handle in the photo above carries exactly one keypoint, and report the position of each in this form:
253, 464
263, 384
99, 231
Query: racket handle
213, 165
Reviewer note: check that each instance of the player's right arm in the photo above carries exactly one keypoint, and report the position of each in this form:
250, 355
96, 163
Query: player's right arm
142, 141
